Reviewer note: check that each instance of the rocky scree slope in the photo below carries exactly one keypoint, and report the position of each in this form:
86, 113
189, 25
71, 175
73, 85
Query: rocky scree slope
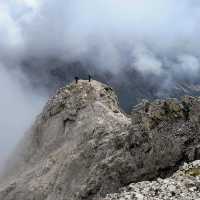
183, 185
82, 146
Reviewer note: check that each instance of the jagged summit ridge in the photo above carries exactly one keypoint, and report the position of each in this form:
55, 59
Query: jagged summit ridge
151, 114
77, 96
82, 146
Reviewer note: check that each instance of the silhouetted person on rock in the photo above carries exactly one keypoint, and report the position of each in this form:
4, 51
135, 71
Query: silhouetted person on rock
186, 110
166, 108
76, 79
89, 78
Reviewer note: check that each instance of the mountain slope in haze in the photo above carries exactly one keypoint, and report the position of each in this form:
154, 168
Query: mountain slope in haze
83, 146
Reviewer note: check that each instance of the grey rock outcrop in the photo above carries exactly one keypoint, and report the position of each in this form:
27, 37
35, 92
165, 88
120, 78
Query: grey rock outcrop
82, 146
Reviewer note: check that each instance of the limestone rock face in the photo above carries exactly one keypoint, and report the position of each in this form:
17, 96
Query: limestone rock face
83, 147
65, 152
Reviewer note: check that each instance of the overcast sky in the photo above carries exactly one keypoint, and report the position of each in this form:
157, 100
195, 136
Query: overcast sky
146, 34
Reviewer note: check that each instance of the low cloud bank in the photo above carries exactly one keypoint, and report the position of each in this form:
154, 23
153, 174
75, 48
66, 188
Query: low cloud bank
18, 108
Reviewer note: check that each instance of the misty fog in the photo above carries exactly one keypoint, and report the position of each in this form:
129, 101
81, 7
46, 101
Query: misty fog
18, 109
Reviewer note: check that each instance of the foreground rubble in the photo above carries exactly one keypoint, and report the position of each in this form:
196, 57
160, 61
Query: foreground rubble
182, 185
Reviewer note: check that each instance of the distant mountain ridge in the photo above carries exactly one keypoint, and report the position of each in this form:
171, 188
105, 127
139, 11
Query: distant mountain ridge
130, 85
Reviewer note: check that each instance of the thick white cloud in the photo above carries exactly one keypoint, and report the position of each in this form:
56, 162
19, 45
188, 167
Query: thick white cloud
105, 29
11, 40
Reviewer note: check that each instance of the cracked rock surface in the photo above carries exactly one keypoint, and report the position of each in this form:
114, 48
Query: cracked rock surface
83, 146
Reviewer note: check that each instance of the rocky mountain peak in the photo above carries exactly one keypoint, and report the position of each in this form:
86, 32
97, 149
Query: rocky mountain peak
77, 96
83, 147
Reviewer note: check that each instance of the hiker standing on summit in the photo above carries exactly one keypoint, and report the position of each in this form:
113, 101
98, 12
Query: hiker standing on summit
89, 78
76, 79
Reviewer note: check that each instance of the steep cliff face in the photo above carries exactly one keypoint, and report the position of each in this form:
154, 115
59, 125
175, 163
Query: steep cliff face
82, 146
